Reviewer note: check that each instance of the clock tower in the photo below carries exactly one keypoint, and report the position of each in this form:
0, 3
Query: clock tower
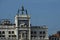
22, 21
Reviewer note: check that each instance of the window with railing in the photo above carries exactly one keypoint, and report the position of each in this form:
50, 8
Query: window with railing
11, 32
33, 32
2, 34
40, 32
44, 32
9, 35
12, 35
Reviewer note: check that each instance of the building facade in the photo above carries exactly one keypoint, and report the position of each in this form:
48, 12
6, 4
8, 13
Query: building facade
39, 33
22, 28
55, 36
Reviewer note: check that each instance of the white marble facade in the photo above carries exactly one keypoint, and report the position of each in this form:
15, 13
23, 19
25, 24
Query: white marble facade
21, 29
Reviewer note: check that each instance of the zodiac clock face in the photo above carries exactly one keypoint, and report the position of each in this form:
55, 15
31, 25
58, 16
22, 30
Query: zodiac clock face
26, 22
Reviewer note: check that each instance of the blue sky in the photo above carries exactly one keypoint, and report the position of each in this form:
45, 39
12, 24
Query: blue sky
43, 12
